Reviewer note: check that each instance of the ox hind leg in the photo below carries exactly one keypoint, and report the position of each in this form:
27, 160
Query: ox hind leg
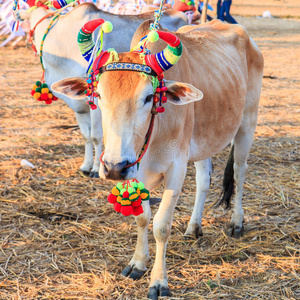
236, 172
203, 176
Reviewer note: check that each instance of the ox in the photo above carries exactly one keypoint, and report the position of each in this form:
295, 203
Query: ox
62, 58
221, 64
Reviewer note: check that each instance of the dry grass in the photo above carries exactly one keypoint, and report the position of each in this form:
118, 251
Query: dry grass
60, 238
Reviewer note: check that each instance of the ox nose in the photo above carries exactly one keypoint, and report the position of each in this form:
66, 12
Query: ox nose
116, 171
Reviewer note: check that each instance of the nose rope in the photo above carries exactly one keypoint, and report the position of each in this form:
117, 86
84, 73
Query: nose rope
144, 148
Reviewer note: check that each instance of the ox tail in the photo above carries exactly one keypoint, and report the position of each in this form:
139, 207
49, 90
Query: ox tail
228, 181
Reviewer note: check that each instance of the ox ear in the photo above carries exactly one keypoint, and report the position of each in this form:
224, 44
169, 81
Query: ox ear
21, 15
180, 93
73, 87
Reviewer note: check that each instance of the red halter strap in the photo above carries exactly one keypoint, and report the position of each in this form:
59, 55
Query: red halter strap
145, 146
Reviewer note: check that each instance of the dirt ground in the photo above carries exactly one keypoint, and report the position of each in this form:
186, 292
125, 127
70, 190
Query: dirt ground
60, 239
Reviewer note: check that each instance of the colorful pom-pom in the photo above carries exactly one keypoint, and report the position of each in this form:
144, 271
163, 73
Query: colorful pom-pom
49, 101
117, 206
44, 97
37, 95
153, 36
126, 210
107, 27
137, 202
127, 197
45, 90
112, 198
137, 210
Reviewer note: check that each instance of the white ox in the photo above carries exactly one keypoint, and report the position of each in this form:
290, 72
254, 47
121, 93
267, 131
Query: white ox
224, 63
62, 58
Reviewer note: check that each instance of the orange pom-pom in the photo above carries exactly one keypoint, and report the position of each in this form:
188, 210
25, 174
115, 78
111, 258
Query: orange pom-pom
117, 206
34, 87
50, 95
126, 210
37, 96
45, 91
112, 198
137, 210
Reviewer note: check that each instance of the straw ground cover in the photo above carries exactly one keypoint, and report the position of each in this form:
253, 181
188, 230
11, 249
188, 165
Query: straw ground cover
61, 239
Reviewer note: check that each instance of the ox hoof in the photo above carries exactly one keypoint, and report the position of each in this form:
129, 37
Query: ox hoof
235, 231
193, 232
158, 291
94, 174
133, 273
86, 173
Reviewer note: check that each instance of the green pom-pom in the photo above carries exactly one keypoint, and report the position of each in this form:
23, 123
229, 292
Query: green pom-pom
119, 186
44, 85
134, 185
141, 186
107, 27
153, 36
122, 191
38, 90
131, 190
38, 83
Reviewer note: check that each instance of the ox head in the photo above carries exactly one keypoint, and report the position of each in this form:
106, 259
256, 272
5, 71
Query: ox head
126, 89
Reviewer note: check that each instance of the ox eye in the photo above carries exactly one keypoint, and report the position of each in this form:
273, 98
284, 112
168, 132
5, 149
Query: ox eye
149, 98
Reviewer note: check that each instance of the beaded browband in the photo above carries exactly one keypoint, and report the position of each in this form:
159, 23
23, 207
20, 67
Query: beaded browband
121, 66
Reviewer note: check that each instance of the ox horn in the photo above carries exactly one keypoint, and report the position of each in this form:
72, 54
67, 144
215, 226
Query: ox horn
85, 39
165, 59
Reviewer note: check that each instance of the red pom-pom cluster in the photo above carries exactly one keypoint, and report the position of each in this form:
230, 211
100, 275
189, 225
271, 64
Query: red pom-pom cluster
41, 92
160, 95
127, 197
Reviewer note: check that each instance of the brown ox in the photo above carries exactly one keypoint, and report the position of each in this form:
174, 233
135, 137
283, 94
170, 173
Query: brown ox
225, 64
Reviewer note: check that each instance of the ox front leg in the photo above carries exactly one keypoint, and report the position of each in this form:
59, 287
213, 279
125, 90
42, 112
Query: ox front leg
138, 264
162, 227
84, 122
96, 135
203, 176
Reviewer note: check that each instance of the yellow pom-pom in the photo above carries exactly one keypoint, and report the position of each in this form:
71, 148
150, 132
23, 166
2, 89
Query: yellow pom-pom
153, 36
45, 91
37, 96
34, 87
107, 27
